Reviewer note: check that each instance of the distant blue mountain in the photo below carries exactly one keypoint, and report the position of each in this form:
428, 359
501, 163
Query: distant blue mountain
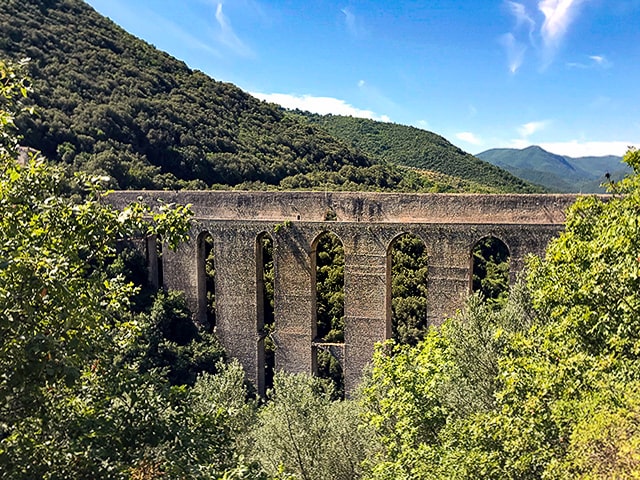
556, 172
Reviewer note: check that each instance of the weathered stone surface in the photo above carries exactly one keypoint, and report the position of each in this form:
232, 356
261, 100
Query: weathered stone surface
367, 224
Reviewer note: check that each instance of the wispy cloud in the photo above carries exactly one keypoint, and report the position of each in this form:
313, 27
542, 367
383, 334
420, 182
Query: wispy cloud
227, 36
515, 51
523, 19
354, 24
544, 32
320, 105
558, 15
593, 61
469, 137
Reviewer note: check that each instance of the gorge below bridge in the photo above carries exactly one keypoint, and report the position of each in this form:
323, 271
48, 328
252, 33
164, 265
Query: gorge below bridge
450, 225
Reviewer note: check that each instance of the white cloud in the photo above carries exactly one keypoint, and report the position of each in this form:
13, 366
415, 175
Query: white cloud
469, 137
575, 148
423, 124
227, 36
530, 128
320, 105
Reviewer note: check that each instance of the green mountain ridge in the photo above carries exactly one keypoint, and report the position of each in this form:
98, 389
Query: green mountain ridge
112, 104
416, 148
557, 172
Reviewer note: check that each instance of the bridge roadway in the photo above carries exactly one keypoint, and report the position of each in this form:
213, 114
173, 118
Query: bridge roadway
367, 223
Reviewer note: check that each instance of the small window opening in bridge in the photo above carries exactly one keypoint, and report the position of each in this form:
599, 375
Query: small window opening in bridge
159, 265
266, 322
408, 289
490, 257
329, 260
152, 254
206, 281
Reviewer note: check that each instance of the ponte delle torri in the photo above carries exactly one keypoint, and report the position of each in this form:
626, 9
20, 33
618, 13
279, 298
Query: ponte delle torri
367, 223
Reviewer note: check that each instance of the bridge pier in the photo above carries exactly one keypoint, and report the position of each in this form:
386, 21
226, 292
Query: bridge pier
294, 301
367, 302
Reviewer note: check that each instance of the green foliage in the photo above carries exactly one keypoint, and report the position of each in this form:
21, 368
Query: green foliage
330, 288
330, 306
169, 341
421, 398
75, 401
303, 434
491, 270
56, 300
14, 87
408, 289
121, 425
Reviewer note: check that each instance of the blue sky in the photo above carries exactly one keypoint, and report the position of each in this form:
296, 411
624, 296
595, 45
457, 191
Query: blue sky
563, 74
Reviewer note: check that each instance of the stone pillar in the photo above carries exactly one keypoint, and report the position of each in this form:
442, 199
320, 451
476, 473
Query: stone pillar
180, 271
449, 273
237, 308
294, 301
367, 302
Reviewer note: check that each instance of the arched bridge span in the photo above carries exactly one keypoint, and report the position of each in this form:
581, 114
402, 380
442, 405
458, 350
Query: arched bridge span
366, 223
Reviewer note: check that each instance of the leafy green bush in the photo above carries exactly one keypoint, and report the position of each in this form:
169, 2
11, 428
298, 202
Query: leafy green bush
302, 432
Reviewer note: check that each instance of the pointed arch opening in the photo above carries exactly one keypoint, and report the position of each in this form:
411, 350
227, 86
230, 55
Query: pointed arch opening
329, 319
206, 281
266, 318
490, 259
409, 261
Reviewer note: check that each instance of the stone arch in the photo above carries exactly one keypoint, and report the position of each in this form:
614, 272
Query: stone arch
328, 264
265, 320
205, 283
407, 264
490, 258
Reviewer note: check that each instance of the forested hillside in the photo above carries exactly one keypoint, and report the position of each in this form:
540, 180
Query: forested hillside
417, 148
112, 104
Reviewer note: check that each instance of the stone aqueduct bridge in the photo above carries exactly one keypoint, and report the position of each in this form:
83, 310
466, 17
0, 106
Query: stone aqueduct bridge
366, 223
